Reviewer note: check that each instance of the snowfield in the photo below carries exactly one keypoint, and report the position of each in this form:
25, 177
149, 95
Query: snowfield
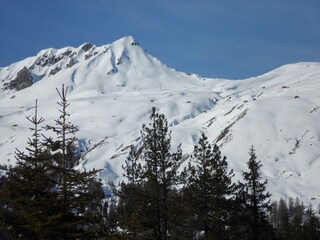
112, 89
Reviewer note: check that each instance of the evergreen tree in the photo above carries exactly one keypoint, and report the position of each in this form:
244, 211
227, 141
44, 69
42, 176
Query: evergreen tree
274, 218
26, 190
159, 173
209, 189
283, 219
257, 200
294, 222
78, 205
296, 219
44, 196
147, 199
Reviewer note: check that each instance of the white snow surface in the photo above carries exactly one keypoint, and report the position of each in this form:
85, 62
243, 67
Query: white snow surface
112, 89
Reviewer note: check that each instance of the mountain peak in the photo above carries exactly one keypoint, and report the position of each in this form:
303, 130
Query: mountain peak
127, 40
116, 67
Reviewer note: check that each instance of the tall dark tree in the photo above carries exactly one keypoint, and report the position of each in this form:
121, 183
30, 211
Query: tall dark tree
295, 222
257, 199
44, 196
296, 212
283, 228
78, 205
159, 173
151, 184
26, 190
209, 189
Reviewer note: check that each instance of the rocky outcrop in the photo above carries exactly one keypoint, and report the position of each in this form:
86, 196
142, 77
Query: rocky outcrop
87, 56
23, 80
54, 70
48, 60
70, 63
86, 47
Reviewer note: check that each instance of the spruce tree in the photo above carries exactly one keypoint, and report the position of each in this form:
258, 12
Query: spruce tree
159, 174
296, 219
257, 200
274, 218
26, 190
283, 219
147, 197
44, 196
78, 205
209, 189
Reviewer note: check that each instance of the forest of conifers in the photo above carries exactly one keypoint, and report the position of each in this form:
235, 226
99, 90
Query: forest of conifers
47, 196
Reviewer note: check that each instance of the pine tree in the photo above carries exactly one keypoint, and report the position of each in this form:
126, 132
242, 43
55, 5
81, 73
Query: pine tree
78, 205
283, 219
294, 222
26, 189
296, 217
257, 200
209, 188
159, 173
147, 198
44, 196
274, 218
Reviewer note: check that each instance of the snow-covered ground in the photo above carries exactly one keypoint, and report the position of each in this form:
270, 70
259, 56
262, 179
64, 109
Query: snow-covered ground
112, 89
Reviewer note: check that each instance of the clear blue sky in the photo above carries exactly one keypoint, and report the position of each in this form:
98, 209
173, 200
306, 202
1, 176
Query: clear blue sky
213, 38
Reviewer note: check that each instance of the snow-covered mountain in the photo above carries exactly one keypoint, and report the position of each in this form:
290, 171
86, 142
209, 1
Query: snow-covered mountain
112, 89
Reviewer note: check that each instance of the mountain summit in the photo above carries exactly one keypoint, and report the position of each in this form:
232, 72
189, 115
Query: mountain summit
117, 67
112, 89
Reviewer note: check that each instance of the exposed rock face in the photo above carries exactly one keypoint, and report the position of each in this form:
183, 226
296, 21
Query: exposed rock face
87, 56
86, 47
48, 60
70, 63
23, 79
54, 71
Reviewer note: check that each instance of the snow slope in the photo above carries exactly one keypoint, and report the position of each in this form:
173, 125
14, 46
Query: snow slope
112, 89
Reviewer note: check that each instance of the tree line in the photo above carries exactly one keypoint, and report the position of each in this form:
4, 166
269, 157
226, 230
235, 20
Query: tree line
46, 195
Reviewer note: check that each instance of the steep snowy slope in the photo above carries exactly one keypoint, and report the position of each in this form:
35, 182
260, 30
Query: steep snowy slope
113, 87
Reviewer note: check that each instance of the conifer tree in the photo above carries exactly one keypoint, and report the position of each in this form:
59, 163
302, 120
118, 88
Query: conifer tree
257, 200
296, 219
159, 174
78, 205
274, 218
295, 222
283, 218
209, 188
147, 198
44, 196
26, 190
